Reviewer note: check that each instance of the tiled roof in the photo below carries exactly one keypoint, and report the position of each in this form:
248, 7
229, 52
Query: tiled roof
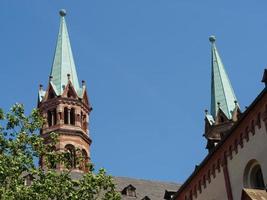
154, 190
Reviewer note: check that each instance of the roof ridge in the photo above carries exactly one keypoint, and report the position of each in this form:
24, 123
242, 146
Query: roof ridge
147, 180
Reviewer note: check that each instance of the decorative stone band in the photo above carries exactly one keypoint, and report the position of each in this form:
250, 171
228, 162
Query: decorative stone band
81, 134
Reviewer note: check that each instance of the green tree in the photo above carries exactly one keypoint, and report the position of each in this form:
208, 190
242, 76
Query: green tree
21, 146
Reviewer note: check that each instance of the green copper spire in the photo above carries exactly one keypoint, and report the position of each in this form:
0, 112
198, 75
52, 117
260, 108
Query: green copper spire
222, 93
63, 64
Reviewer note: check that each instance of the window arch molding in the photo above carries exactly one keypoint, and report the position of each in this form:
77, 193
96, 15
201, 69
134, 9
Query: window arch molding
253, 177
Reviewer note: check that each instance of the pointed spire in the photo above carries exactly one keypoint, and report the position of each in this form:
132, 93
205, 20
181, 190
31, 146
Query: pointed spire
221, 88
63, 63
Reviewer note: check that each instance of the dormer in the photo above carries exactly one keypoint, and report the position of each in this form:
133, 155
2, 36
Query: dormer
146, 198
169, 194
129, 191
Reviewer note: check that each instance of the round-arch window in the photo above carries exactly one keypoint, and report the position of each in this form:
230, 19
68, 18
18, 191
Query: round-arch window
52, 160
253, 177
71, 155
84, 160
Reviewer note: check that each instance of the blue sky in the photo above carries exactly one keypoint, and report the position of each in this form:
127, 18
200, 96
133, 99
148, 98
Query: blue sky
147, 68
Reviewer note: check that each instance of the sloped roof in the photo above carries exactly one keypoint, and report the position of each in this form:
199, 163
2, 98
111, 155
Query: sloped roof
155, 190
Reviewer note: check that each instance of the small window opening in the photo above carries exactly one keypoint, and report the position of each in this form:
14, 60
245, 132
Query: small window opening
81, 119
221, 119
54, 117
66, 116
51, 95
49, 118
72, 116
69, 94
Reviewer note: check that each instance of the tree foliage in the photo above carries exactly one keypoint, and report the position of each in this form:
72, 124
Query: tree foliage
21, 146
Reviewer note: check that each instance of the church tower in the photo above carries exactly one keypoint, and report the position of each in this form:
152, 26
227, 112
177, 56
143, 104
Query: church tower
224, 110
65, 105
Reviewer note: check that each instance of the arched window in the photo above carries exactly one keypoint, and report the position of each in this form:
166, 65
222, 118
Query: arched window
72, 116
53, 163
52, 117
84, 160
253, 177
66, 116
71, 156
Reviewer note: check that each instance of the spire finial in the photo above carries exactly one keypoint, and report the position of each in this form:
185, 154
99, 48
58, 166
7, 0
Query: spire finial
83, 82
40, 87
62, 12
212, 39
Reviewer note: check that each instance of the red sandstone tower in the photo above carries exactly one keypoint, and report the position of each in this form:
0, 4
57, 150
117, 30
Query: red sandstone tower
65, 105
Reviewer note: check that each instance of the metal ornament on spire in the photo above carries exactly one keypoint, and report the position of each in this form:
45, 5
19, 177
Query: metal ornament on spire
62, 12
63, 63
221, 88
